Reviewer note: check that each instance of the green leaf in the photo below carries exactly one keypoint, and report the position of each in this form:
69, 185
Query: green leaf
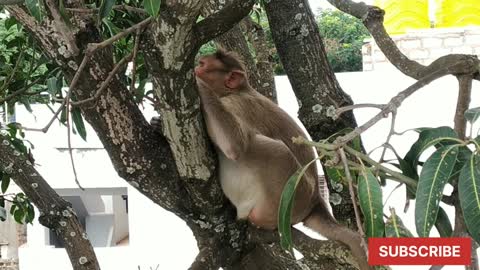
370, 197
472, 114
35, 9
435, 174
5, 182
105, 8
443, 225
9, 22
394, 226
285, 208
469, 192
335, 175
30, 213
78, 122
152, 7
13, 208
52, 86
463, 157
428, 137
409, 171
63, 116
18, 215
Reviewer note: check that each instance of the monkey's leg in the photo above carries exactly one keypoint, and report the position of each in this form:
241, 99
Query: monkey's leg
273, 163
321, 221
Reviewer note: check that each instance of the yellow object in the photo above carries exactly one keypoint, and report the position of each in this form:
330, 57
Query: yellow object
457, 13
404, 15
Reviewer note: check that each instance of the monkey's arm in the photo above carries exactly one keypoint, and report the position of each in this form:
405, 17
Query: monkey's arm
224, 129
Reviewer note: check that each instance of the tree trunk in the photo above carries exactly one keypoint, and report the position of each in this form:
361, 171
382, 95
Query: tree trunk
301, 50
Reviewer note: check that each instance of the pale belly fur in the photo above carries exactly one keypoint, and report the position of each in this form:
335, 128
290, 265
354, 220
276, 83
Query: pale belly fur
239, 185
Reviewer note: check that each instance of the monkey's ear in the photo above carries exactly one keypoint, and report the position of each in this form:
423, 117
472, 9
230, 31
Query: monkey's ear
235, 79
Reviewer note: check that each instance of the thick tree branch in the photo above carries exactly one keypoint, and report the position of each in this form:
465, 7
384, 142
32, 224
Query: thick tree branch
256, 36
372, 18
11, 2
301, 50
463, 102
221, 21
55, 213
205, 260
460, 125
325, 254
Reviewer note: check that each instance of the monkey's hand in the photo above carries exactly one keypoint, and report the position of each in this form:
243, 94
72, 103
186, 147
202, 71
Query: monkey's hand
156, 123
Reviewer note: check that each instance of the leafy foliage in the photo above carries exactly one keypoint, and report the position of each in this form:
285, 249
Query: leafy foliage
343, 37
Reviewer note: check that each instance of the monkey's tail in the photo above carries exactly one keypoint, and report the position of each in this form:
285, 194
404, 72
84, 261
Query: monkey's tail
321, 221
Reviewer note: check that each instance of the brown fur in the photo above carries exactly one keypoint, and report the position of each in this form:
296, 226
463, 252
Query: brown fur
257, 156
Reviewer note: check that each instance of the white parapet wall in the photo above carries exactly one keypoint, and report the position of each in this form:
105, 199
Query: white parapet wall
424, 46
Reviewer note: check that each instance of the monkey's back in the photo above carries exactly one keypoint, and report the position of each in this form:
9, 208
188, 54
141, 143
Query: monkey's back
268, 119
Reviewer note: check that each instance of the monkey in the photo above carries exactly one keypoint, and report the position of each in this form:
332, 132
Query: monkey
253, 140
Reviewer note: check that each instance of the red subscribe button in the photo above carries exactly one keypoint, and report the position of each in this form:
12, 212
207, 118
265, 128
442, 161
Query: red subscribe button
419, 251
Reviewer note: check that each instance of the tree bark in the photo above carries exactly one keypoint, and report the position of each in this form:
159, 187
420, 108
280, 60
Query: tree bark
301, 50
175, 168
55, 213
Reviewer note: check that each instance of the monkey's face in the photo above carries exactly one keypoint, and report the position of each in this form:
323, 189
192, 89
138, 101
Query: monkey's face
211, 72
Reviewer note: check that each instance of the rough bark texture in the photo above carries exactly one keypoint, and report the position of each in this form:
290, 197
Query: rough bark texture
55, 213
175, 168
301, 50
257, 38
260, 70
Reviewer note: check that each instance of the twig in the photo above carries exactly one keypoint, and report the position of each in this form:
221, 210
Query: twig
343, 157
134, 61
66, 100
108, 42
397, 100
91, 48
393, 190
106, 82
344, 109
25, 89
389, 136
70, 151
400, 177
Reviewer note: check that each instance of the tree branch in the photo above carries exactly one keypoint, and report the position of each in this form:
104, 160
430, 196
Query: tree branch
372, 18
463, 102
11, 2
469, 65
221, 21
205, 260
55, 213
326, 254
106, 82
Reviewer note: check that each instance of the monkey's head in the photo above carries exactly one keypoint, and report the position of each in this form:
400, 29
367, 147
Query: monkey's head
221, 71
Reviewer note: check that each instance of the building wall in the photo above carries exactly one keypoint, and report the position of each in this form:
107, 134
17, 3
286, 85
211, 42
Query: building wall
424, 46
